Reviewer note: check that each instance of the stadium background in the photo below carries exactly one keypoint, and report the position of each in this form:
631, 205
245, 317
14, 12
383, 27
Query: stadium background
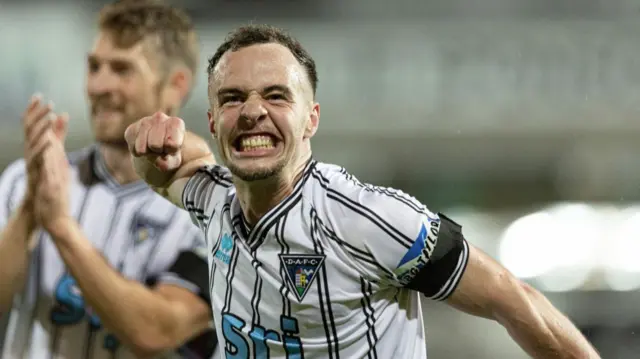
518, 118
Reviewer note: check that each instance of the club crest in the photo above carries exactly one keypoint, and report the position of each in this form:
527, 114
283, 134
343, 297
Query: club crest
143, 230
301, 270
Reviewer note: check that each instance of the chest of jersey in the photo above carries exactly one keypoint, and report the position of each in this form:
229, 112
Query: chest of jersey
121, 227
285, 285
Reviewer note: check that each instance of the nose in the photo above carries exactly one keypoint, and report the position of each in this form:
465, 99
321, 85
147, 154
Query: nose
252, 110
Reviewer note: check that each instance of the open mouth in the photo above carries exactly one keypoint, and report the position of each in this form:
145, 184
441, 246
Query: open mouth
106, 107
106, 112
255, 143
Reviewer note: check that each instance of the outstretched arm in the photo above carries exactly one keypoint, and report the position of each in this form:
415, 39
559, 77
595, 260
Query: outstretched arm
489, 290
165, 155
473, 282
414, 248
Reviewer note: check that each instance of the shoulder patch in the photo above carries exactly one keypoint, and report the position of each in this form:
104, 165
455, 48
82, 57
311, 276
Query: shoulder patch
420, 252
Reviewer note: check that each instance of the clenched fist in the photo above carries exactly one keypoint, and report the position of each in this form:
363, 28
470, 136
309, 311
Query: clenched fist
159, 139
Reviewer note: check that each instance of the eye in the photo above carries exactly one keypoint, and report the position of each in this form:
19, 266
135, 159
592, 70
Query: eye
121, 69
231, 100
93, 66
276, 97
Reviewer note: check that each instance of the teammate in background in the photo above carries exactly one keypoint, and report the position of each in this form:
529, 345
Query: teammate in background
107, 268
334, 266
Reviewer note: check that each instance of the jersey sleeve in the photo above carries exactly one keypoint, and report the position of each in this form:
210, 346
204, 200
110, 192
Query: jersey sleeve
190, 268
396, 240
201, 192
12, 186
190, 271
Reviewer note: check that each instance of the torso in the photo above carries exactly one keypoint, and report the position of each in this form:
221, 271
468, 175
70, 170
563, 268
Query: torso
291, 288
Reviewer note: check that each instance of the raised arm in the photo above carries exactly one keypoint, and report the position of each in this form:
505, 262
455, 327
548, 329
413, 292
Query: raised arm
17, 223
165, 155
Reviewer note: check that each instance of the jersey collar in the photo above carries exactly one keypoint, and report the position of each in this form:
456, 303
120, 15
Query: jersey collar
102, 173
256, 235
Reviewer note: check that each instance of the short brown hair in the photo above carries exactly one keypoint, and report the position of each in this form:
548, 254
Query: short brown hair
132, 21
264, 34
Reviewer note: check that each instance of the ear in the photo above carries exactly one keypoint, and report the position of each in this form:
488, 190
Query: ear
212, 124
177, 87
314, 121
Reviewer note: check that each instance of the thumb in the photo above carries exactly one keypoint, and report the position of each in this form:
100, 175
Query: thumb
60, 126
168, 163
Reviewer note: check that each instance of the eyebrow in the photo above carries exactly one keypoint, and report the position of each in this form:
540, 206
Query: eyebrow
229, 91
277, 88
91, 58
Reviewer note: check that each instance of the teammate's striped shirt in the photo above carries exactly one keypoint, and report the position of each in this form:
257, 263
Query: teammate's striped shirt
138, 232
333, 271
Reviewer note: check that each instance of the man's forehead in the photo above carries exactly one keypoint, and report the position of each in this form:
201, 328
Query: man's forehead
259, 66
105, 48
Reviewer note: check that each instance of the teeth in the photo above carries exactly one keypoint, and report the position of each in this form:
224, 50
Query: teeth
251, 143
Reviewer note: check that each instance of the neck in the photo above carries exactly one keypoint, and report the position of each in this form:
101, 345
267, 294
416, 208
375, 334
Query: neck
118, 162
258, 197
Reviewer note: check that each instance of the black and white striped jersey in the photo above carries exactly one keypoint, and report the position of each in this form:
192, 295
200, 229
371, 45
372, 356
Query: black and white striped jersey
138, 232
333, 271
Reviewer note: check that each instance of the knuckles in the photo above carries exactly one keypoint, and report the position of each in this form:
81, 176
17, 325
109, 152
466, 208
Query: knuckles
172, 128
156, 121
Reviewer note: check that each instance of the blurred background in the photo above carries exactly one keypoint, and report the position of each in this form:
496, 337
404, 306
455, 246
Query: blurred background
517, 118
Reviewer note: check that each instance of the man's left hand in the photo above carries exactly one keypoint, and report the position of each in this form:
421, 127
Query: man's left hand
52, 192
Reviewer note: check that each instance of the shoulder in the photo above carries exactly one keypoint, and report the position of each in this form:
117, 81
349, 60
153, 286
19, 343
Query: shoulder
384, 229
336, 184
207, 181
217, 174
348, 203
207, 187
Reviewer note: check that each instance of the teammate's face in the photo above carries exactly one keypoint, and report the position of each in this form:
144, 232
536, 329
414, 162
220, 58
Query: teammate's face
262, 111
123, 85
